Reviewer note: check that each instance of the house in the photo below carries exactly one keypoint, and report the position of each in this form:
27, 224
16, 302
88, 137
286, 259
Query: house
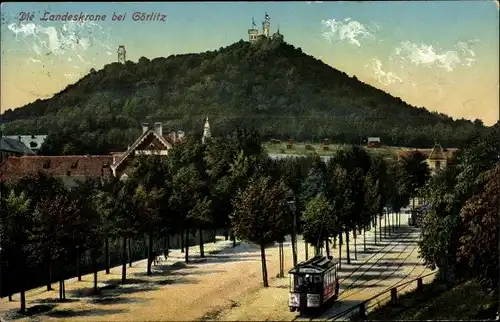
151, 141
70, 168
437, 157
74, 168
12, 147
373, 142
33, 142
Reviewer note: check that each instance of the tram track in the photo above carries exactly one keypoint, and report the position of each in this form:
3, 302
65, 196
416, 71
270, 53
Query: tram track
376, 278
394, 242
375, 254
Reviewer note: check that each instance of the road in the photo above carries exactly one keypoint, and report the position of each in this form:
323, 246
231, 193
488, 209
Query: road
226, 286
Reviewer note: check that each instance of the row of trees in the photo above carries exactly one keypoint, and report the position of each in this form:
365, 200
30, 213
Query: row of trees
460, 233
227, 183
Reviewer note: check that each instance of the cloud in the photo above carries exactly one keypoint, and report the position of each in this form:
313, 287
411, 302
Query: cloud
349, 30
427, 55
385, 78
69, 37
73, 47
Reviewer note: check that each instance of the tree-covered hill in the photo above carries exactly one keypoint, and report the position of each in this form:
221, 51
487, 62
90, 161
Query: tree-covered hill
271, 86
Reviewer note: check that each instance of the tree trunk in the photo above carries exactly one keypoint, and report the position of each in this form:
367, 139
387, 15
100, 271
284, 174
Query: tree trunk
226, 234
282, 260
233, 237
23, 301
94, 268
364, 239
307, 249
60, 290
347, 247
181, 241
375, 231
388, 215
327, 245
106, 254
124, 259
294, 239
64, 288
355, 244
78, 273
186, 244
385, 225
380, 227
49, 272
168, 241
264, 266
202, 250
129, 252
340, 249
335, 242
214, 235
150, 252
7, 281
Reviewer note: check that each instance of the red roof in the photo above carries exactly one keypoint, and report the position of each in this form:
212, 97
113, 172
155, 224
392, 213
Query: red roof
58, 166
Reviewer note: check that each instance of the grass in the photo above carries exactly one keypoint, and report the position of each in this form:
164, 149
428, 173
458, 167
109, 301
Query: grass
299, 148
440, 301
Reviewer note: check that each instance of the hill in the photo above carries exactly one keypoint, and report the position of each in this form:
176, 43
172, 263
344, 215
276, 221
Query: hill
271, 86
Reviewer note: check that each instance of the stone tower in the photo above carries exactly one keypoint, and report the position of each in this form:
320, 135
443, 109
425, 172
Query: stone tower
206, 132
266, 25
122, 54
253, 33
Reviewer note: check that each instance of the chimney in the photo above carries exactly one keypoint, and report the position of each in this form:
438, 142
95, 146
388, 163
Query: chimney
172, 136
159, 128
145, 127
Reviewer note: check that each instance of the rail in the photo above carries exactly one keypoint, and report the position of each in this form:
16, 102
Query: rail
390, 295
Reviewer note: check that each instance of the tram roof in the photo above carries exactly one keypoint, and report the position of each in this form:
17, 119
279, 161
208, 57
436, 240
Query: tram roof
317, 264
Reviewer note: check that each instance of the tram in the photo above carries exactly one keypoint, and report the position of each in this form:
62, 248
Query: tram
313, 283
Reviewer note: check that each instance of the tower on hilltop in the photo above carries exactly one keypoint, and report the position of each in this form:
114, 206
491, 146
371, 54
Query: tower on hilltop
254, 35
252, 32
121, 54
266, 25
206, 132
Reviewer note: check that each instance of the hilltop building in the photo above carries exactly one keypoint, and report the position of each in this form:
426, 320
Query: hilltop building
254, 35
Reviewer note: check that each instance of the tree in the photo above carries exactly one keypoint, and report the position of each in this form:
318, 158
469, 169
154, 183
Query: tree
37, 188
147, 204
115, 202
14, 242
339, 194
55, 227
261, 215
185, 195
414, 172
479, 243
319, 222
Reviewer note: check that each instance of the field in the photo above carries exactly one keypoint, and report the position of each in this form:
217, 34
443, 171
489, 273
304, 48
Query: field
299, 148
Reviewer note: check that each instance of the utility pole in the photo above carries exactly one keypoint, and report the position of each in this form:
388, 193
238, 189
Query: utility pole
293, 209
1, 204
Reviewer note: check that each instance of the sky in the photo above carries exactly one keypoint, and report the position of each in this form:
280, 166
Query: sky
442, 55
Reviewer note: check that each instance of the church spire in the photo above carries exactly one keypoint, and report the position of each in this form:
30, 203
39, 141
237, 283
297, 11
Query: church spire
206, 131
